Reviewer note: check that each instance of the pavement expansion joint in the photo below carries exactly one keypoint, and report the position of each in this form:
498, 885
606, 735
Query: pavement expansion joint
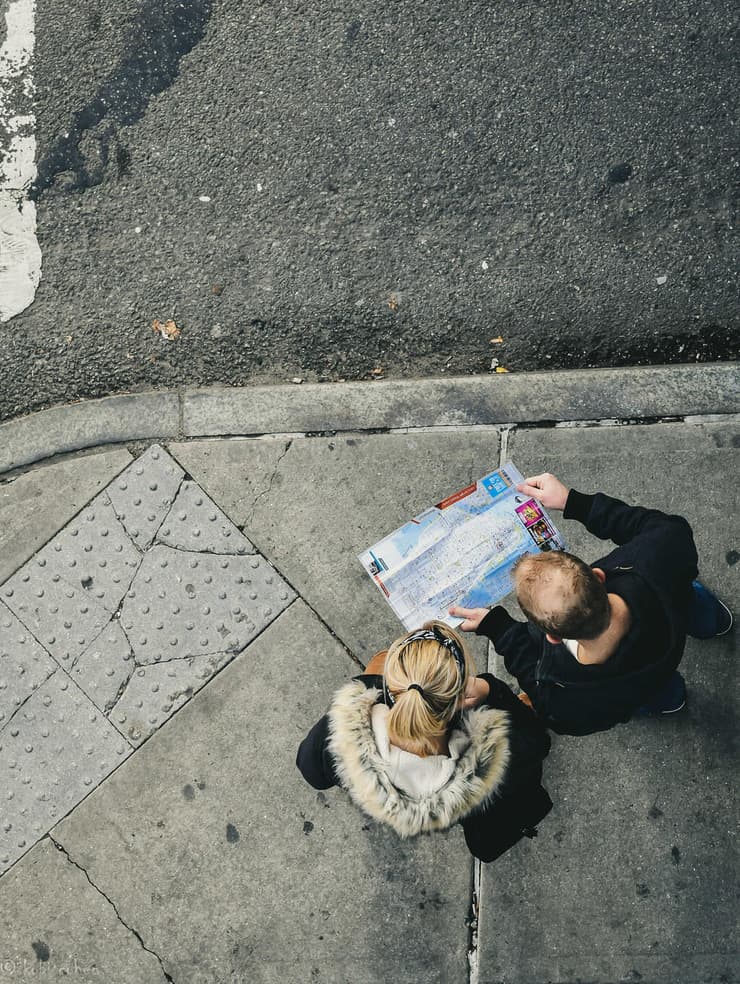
332, 632
114, 624
61, 848
474, 924
506, 433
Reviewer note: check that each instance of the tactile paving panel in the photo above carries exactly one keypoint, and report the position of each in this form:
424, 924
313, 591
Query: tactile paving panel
24, 664
103, 669
135, 628
64, 619
188, 604
143, 493
196, 523
57, 748
93, 552
154, 693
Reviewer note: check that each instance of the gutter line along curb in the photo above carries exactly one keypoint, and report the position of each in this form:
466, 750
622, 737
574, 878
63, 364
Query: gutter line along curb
642, 393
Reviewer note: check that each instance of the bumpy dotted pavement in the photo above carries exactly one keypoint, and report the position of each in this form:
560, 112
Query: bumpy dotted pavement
109, 629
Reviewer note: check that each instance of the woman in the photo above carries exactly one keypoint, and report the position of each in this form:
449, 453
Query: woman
421, 743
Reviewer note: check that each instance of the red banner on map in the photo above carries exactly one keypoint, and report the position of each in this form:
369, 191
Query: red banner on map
462, 494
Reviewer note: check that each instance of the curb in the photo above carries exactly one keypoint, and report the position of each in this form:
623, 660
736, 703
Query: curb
630, 394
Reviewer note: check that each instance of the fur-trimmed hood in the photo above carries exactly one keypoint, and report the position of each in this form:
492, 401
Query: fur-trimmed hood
364, 773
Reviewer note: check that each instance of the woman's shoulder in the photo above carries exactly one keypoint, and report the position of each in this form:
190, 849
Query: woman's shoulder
371, 681
356, 696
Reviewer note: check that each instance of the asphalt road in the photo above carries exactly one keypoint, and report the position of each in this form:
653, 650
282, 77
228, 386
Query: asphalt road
324, 190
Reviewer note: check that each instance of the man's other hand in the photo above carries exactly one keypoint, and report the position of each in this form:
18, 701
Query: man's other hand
476, 691
472, 617
546, 489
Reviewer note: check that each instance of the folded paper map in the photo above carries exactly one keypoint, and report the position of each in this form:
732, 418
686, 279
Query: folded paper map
461, 551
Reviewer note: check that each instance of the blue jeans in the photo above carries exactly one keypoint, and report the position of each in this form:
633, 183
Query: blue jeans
703, 622
705, 613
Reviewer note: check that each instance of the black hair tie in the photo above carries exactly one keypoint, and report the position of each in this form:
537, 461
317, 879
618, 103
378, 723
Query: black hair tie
415, 686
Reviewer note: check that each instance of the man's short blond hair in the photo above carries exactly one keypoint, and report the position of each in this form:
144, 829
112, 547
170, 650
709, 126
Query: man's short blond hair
561, 595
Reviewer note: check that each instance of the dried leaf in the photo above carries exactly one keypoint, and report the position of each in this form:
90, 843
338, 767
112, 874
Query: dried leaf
167, 329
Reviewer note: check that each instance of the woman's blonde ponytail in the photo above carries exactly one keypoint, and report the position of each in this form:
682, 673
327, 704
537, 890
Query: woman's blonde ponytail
426, 683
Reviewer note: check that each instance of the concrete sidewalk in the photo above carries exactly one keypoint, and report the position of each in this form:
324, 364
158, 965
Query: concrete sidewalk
175, 614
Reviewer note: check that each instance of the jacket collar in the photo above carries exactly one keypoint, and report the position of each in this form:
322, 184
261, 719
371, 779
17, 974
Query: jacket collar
365, 774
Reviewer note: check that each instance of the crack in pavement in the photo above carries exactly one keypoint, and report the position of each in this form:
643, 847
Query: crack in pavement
119, 693
267, 491
163, 520
204, 552
60, 847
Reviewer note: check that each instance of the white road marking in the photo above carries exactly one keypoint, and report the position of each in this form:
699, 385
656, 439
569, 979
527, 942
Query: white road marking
20, 254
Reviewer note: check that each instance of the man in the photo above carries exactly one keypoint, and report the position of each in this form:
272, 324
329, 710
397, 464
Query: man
603, 642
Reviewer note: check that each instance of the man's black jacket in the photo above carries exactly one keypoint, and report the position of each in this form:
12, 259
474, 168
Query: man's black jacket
573, 699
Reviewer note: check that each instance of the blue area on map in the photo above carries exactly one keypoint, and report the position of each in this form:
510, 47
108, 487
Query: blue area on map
380, 565
494, 484
406, 538
480, 501
472, 506
493, 587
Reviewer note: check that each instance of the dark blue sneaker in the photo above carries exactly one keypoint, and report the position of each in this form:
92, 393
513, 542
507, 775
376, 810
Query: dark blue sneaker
708, 616
669, 699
